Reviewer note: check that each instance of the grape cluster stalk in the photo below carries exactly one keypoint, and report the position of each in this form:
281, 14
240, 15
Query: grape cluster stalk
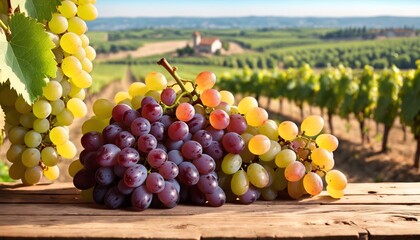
160, 144
39, 133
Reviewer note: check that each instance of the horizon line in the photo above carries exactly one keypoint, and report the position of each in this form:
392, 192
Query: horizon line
258, 16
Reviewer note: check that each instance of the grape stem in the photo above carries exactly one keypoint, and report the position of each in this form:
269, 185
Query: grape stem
172, 70
10, 9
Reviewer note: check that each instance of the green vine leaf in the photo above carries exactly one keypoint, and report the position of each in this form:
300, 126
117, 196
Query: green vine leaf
38, 9
27, 59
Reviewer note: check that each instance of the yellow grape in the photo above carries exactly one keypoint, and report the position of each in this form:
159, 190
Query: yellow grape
330, 164
77, 107
66, 86
93, 124
247, 103
41, 125
16, 134
87, 64
156, 81
231, 163
234, 110
279, 182
58, 23
185, 112
256, 116
85, 40
77, 26
32, 139
199, 109
294, 171
52, 91
52, 172
285, 157
257, 175
41, 109
320, 157
67, 8
90, 53
76, 92
103, 108
31, 157
75, 167
80, 54
239, 183
65, 118
136, 102
71, 66
82, 80
154, 94
288, 130
59, 135
205, 80
57, 106
271, 154
14, 153
312, 125
334, 193
312, 183
26, 120
87, 12
327, 141
32, 175
295, 189
210, 98
259, 144
227, 97
121, 96
22, 106
137, 89
269, 129
70, 42
67, 150
49, 156
336, 179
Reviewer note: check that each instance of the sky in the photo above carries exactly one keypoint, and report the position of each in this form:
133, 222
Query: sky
236, 8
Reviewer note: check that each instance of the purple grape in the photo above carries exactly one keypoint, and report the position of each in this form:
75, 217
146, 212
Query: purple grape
155, 183
168, 96
135, 176
178, 130
113, 198
204, 164
119, 170
169, 195
166, 120
191, 150
92, 141
128, 157
125, 139
196, 123
147, 100
216, 198
215, 150
215, 133
105, 176
175, 156
118, 112
188, 174
140, 126
141, 198
129, 117
107, 155
233, 143
152, 112
157, 157
146, 143
196, 196
174, 145
84, 179
162, 146
188, 137
110, 132
157, 129
88, 159
98, 193
123, 188
207, 183
203, 137
237, 124
169, 170
250, 196
176, 184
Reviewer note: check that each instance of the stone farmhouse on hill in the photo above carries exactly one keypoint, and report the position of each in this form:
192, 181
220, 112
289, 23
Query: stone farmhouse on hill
206, 44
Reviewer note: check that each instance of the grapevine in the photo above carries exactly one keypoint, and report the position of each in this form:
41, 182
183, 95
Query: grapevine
187, 142
41, 103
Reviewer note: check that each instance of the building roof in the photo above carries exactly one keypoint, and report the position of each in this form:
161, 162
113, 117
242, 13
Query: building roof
208, 41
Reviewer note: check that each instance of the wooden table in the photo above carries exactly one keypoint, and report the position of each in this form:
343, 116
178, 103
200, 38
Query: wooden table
368, 211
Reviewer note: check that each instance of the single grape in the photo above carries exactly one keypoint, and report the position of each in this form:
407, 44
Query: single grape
135, 175
336, 180
118, 112
107, 155
334, 193
110, 132
70, 42
152, 112
312, 183
52, 172
129, 116
247, 103
32, 175
157, 157
185, 112
196, 123
141, 198
58, 23
210, 98
227, 97
216, 198
320, 157
178, 130
207, 183
67, 8
288, 130
188, 174
169, 195
215, 150
203, 137
239, 183
219, 119
59, 135
52, 91
237, 123
327, 141
294, 171
233, 143
169, 170
146, 143
41, 125
205, 80
231, 163
256, 116
191, 150
271, 154
87, 11
104, 175
312, 125
259, 144
257, 175
77, 25
250, 196
156, 81
269, 129
140, 126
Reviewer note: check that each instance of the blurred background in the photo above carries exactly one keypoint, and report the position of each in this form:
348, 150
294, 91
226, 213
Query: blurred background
297, 57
